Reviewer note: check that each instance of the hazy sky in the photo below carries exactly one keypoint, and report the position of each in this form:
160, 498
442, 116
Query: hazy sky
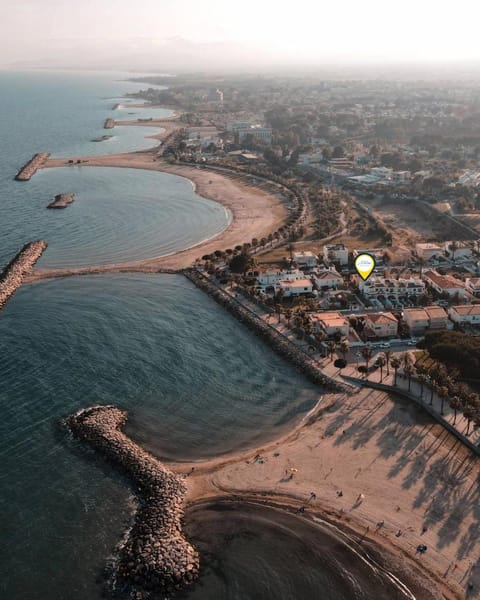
296, 31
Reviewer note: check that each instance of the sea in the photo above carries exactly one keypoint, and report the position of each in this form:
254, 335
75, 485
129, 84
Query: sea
195, 382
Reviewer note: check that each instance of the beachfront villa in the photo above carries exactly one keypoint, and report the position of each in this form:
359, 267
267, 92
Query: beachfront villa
330, 323
272, 278
299, 287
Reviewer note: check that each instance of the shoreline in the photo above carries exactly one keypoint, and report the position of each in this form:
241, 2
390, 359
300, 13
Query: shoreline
229, 476
252, 210
240, 476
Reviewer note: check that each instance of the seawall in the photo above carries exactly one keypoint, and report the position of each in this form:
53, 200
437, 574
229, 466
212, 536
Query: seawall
281, 344
156, 557
31, 167
18, 268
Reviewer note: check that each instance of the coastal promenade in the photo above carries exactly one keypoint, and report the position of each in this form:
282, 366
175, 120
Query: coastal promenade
155, 556
18, 268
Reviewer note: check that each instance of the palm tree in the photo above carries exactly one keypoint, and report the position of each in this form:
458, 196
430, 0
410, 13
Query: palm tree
332, 346
367, 354
422, 378
469, 413
456, 405
388, 356
443, 391
381, 361
395, 362
288, 316
409, 370
344, 347
434, 387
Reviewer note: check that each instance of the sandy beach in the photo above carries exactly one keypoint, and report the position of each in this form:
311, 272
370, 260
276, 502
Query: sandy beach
369, 462
416, 479
255, 212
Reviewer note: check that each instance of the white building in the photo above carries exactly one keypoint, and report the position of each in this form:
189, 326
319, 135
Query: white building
328, 278
298, 287
378, 286
461, 250
330, 323
305, 259
427, 250
444, 284
465, 314
335, 253
274, 277
257, 131
472, 284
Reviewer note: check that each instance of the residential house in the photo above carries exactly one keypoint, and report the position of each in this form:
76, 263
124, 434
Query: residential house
327, 279
427, 251
444, 284
335, 253
380, 325
305, 259
465, 314
472, 285
330, 323
298, 287
379, 286
272, 278
419, 320
460, 250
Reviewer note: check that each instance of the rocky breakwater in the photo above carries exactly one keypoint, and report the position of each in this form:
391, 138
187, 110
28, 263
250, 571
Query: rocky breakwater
62, 201
280, 343
156, 557
29, 170
109, 124
18, 268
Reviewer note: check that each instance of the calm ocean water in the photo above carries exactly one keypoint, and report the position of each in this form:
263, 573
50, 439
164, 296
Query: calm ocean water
195, 382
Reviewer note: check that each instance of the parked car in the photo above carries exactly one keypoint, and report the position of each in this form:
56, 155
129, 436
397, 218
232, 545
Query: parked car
385, 345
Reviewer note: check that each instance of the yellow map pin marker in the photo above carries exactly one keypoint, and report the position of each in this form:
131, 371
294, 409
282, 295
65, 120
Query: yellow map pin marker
364, 265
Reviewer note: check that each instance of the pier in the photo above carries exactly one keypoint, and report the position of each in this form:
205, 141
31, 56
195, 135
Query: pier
18, 268
62, 201
109, 124
28, 170
155, 557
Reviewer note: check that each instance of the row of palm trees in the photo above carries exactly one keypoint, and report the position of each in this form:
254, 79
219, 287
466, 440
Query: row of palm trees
433, 379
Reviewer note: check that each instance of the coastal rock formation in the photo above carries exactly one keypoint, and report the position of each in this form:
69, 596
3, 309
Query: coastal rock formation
109, 124
155, 557
62, 201
29, 170
271, 336
18, 268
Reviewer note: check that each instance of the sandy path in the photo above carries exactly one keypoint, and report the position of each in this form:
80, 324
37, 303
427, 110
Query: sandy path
373, 444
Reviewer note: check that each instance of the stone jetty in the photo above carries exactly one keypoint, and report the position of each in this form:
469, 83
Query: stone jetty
32, 166
109, 124
18, 268
62, 201
280, 343
156, 557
